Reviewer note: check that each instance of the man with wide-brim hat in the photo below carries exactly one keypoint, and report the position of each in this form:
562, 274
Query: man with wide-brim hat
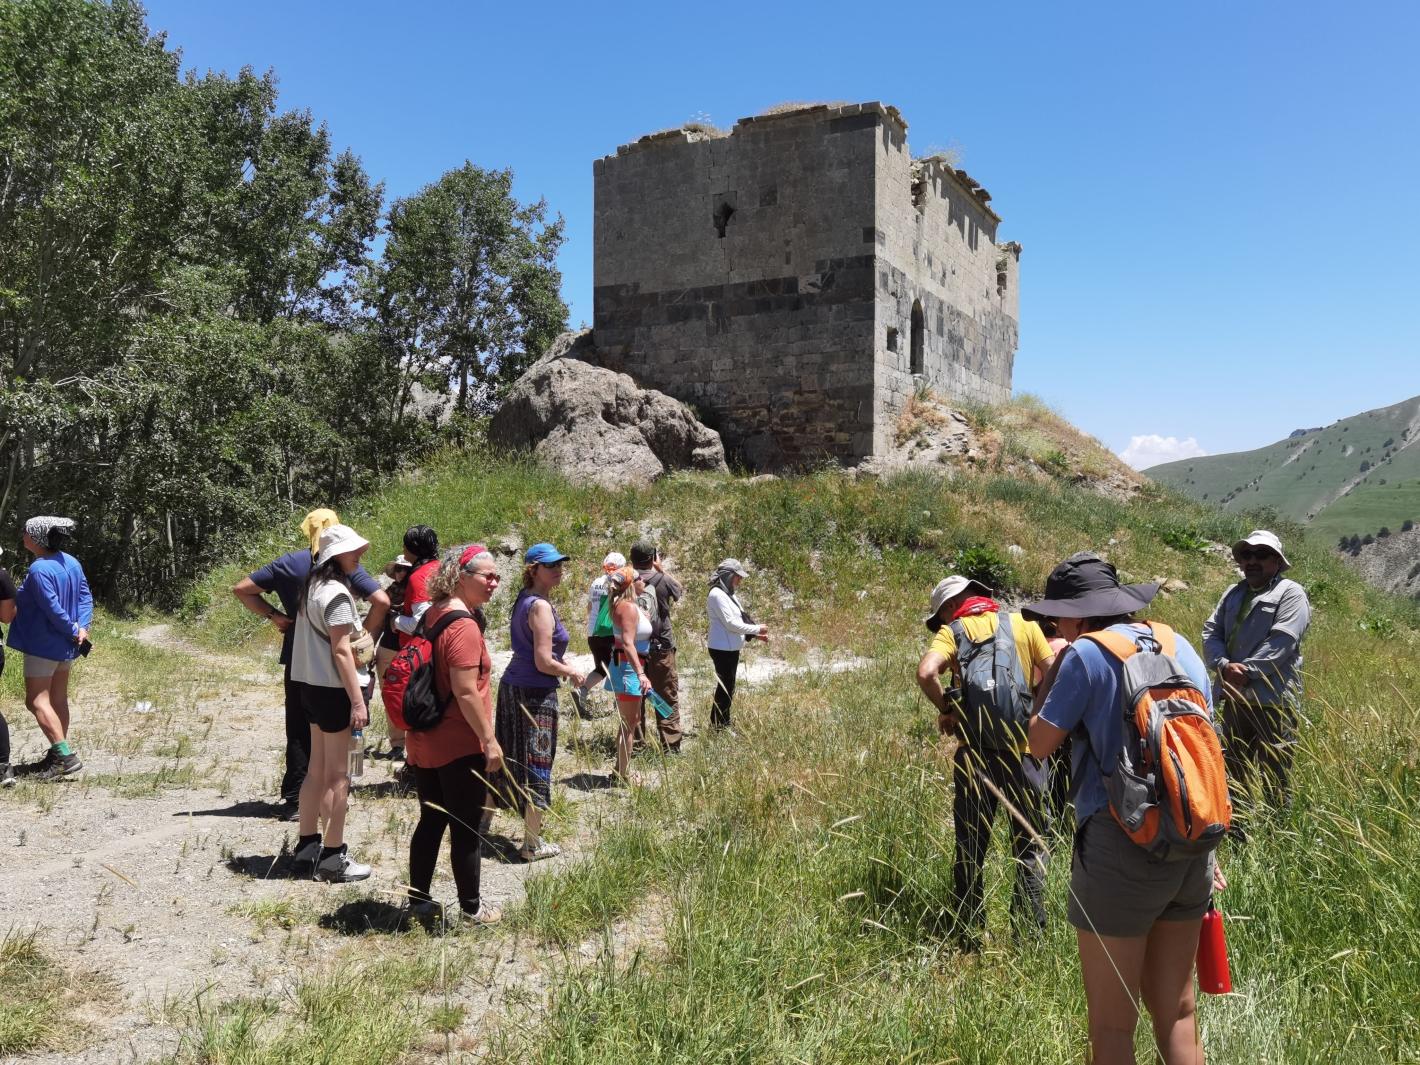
1253, 644
965, 621
1137, 919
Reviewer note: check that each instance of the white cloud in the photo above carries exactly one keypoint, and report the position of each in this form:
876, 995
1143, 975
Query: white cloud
1153, 449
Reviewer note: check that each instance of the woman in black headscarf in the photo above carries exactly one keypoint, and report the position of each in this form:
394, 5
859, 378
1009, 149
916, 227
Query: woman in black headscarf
730, 626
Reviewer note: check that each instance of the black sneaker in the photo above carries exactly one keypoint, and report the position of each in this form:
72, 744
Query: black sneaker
63, 765
309, 854
289, 810
7, 775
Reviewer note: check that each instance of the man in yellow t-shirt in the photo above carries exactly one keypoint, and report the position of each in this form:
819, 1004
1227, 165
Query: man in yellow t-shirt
1013, 771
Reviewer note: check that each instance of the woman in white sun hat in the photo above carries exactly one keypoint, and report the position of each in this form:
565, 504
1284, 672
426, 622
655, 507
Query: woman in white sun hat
332, 685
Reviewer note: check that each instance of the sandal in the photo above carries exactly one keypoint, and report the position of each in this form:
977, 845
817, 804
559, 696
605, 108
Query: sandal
544, 850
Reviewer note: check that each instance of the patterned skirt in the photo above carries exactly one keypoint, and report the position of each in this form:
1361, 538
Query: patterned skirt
526, 726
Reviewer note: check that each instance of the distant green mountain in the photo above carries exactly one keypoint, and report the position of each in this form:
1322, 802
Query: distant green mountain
1354, 477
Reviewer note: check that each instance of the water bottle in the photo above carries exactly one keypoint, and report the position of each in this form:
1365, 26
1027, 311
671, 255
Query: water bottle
1213, 975
356, 767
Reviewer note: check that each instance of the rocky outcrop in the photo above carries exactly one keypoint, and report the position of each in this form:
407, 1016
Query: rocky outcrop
598, 426
1391, 563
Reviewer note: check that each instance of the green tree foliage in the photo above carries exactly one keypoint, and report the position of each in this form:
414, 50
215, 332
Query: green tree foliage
193, 331
468, 288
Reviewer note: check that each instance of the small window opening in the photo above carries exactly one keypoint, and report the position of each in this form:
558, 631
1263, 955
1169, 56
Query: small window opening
723, 213
919, 194
918, 329
892, 339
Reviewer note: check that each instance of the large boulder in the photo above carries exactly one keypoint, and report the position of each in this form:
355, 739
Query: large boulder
599, 426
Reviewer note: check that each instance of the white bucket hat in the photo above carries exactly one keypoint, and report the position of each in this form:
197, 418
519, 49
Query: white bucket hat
950, 588
1263, 538
614, 560
336, 540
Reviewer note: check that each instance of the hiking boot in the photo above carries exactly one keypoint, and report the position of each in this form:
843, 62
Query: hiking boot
63, 765
340, 868
309, 852
396, 753
7, 775
289, 810
425, 909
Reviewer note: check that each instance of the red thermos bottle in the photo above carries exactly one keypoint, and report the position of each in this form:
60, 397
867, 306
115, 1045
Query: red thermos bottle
1213, 975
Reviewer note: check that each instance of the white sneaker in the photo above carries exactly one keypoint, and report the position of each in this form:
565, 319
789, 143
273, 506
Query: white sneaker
486, 914
340, 868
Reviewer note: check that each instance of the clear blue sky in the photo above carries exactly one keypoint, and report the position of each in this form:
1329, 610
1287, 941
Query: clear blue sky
1217, 200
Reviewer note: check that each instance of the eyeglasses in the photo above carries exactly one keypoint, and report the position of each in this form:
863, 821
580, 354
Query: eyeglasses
1261, 554
491, 575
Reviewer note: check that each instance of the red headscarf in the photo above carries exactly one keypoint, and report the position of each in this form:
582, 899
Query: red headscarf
976, 604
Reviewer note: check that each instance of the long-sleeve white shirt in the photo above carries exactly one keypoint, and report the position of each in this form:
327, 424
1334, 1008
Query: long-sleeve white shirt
728, 627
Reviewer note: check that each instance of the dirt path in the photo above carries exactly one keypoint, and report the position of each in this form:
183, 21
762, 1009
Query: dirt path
162, 869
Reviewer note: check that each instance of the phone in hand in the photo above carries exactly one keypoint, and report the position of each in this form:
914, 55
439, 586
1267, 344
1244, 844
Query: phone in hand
85, 646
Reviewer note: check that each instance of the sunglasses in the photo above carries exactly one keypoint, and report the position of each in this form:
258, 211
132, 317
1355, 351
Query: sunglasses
1261, 554
553, 565
486, 576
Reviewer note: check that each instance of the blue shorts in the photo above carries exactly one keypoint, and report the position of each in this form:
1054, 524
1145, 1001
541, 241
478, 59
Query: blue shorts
622, 680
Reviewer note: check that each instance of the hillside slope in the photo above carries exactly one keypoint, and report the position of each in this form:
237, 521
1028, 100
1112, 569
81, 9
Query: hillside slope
738, 910
1352, 477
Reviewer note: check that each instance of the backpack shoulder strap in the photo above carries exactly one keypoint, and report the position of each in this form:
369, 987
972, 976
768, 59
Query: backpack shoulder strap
1168, 641
1008, 651
443, 623
1120, 646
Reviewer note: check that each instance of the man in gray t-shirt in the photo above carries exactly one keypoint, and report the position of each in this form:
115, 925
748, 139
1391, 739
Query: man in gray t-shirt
1253, 644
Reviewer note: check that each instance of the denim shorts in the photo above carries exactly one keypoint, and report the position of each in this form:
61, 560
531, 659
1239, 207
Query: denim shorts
1117, 889
623, 680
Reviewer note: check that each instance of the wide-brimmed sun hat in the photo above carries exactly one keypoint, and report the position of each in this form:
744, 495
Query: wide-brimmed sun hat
336, 540
613, 560
950, 588
1086, 586
1263, 538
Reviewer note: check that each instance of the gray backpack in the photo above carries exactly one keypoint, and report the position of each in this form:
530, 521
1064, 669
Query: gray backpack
995, 701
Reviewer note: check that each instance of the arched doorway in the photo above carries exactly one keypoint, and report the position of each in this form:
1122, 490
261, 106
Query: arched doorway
918, 327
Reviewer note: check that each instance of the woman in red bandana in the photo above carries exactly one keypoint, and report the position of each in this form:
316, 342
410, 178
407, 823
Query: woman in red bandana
962, 610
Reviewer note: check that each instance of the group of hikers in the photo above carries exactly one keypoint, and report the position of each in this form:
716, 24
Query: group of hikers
1076, 686
1073, 699
469, 751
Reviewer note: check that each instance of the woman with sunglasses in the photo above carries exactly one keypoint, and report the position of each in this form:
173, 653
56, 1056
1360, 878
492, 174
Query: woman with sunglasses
527, 696
453, 759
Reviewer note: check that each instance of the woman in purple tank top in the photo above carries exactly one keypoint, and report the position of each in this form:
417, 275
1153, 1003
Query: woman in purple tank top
526, 718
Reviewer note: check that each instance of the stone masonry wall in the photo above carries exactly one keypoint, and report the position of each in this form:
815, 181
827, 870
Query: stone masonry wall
769, 278
767, 329
938, 252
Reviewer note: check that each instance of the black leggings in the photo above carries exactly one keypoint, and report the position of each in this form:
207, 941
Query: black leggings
458, 789
727, 664
4, 726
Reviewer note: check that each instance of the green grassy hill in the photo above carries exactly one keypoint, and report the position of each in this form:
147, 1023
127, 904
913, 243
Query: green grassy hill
783, 897
1354, 476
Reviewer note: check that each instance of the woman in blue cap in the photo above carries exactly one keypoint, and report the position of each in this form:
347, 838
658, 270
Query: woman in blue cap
526, 724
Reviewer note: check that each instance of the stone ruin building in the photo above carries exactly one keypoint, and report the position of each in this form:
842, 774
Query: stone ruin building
796, 279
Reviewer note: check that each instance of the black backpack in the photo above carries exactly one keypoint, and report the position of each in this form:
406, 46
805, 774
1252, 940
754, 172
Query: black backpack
410, 695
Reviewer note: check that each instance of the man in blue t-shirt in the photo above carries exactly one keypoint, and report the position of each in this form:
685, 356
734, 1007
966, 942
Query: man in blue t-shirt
286, 577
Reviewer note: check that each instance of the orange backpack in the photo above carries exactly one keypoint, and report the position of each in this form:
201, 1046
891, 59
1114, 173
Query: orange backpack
1168, 788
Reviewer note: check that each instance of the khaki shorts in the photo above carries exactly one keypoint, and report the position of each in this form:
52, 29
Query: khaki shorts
1116, 889
39, 668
